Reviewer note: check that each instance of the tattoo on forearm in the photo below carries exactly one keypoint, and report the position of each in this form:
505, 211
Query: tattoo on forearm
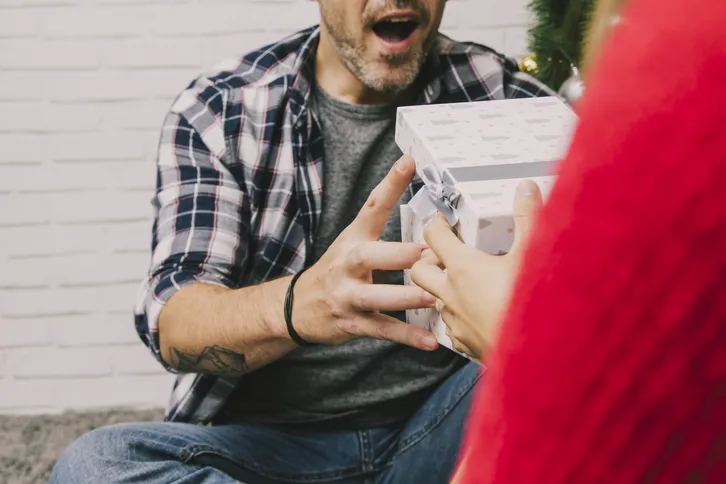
213, 359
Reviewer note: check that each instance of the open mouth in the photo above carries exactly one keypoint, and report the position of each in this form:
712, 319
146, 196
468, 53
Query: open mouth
394, 30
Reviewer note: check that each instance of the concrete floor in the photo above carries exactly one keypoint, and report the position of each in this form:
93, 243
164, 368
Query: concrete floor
29, 445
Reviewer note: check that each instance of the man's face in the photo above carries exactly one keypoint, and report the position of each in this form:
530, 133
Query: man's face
383, 43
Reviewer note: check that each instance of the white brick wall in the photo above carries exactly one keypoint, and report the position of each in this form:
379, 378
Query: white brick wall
84, 86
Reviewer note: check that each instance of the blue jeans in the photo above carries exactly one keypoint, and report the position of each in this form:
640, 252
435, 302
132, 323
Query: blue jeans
423, 450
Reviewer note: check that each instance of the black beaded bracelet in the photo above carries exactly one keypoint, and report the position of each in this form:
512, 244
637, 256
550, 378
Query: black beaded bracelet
288, 312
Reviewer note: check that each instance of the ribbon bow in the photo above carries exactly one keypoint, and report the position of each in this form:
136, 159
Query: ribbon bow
438, 194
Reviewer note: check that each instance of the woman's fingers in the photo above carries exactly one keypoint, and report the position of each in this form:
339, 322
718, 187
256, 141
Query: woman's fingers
429, 276
441, 239
527, 203
458, 345
430, 258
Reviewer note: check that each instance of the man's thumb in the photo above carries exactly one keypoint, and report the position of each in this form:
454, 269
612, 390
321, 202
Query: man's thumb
527, 202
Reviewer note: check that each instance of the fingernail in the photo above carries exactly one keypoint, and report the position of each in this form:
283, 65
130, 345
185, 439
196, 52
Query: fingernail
430, 342
429, 298
526, 188
426, 252
403, 164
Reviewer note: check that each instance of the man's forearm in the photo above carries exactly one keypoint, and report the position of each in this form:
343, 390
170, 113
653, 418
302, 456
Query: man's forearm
209, 329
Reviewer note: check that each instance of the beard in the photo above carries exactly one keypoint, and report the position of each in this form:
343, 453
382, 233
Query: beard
386, 73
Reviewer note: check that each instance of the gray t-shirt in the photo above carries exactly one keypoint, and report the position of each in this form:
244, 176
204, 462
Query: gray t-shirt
364, 383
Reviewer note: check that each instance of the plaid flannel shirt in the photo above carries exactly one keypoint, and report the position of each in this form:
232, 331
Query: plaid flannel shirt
239, 179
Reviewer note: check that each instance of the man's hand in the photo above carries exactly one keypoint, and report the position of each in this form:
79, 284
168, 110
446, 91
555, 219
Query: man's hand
336, 300
474, 289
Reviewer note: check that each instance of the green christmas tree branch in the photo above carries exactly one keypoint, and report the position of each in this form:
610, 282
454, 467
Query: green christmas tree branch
557, 37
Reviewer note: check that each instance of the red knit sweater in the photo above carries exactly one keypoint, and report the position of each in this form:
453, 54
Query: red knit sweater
611, 365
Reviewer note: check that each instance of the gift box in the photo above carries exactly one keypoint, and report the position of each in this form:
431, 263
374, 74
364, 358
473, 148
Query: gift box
471, 157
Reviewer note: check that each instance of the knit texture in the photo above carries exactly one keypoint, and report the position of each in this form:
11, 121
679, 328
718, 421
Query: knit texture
611, 364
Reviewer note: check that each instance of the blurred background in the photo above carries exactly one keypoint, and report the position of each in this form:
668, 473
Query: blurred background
84, 86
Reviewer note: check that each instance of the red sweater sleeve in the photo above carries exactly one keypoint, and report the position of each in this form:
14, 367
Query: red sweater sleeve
611, 364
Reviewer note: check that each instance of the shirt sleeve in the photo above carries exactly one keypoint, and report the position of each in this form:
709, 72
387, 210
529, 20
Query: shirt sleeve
521, 85
201, 223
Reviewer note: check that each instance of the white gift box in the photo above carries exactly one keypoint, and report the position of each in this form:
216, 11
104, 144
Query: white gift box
471, 157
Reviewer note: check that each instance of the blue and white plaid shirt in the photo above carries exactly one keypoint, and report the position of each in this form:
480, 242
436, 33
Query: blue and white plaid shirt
239, 184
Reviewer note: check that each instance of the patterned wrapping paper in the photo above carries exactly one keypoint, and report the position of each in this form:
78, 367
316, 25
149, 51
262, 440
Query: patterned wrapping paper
471, 157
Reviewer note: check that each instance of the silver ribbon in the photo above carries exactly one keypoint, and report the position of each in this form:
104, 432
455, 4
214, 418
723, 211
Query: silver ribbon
438, 194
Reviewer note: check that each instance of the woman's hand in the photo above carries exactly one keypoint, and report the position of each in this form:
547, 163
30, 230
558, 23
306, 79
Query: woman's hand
474, 289
460, 470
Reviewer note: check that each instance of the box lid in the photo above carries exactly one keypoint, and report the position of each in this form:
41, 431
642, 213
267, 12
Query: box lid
481, 138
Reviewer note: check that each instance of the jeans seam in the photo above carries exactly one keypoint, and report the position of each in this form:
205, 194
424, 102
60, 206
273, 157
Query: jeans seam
190, 452
414, 438
365, 451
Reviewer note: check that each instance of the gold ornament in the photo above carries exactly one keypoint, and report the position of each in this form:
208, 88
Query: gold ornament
528, 65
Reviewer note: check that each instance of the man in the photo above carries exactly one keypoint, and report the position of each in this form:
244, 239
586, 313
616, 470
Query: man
279, 162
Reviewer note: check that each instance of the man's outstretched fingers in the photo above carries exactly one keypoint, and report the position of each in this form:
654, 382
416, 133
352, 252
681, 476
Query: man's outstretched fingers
380, 326
375, 213
388, 297
527, 203
385, 256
